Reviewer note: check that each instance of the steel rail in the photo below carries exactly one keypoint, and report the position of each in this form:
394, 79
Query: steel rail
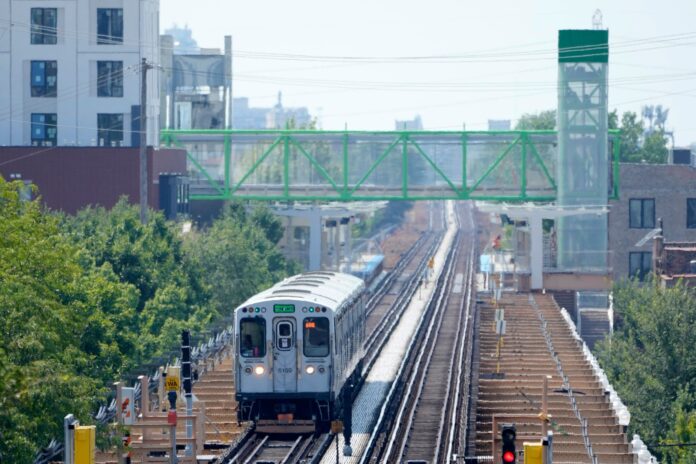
460, 407
389, 401
379, 337
421, 368
389, 280
238, 450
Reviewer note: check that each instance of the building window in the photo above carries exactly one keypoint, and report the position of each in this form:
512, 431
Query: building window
44, 78
44, 129
44, 23
109, 26
110, 78
691, 213
110, 129
639, 264
642, 213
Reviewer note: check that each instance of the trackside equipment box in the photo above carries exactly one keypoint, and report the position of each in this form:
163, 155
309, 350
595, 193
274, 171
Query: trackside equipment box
533, 453
85, 439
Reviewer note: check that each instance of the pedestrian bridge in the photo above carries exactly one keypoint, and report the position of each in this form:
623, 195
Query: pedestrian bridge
308, 165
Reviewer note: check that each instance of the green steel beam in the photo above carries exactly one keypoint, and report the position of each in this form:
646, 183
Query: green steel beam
200, 168
316, 164
223, 189
345, 194
376, 164
537, 157
496, 163
228, 162
286, 165
523, 187
465, 188
404, 166
436, 168
257, 163
617, 154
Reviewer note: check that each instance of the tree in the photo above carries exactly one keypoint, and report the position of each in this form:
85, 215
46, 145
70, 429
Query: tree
650, 359
44, 374
631, 134
638, 144
654, 148
237, 257
544, 120
85, 299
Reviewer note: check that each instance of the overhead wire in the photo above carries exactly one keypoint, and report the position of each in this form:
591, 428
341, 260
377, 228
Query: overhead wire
71, 92
498, 55
502, 52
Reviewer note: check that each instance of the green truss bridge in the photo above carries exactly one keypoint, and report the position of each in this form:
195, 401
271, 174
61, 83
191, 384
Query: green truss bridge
306, 165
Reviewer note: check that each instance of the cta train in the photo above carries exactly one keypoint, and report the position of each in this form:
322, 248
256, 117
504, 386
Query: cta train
299, 350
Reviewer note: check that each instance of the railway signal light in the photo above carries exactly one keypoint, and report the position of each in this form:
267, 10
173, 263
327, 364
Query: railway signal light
508, 435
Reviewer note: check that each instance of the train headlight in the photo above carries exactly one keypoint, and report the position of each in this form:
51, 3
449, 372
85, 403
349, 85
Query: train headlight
259, 370
321, 369
247, 370
309, 370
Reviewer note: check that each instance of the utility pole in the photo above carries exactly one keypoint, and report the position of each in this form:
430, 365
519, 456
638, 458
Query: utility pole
144, 68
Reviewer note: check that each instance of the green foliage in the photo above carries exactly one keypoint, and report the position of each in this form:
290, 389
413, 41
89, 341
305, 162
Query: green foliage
238, 257
148, 259
544, 120
637, 144
650, 358
86, 299
43, 373
684, 431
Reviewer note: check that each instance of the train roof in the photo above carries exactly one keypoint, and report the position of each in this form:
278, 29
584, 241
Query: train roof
323, 288
367, 263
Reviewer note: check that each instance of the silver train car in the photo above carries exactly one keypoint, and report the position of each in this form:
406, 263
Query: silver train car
299, 350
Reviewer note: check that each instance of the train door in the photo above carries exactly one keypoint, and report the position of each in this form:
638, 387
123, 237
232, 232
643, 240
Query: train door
284, 356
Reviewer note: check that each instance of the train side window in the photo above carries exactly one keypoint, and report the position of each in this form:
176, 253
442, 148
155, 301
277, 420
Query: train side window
252, 337
316, 337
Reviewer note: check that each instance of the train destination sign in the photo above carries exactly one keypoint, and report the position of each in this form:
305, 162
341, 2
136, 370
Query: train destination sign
284, 308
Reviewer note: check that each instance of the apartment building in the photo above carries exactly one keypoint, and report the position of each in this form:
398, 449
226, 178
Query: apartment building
648, 193
70, 72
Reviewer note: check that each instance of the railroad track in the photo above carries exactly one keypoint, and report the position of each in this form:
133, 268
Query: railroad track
423, 420
263, 448
383, 316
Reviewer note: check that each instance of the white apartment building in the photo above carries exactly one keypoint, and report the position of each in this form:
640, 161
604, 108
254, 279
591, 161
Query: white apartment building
70, 71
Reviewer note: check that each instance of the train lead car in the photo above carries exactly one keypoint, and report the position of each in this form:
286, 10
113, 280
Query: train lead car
299, 347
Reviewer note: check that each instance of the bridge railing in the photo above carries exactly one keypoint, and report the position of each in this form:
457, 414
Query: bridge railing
359, 166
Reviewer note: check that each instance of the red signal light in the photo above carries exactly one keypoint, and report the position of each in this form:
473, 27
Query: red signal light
508, 457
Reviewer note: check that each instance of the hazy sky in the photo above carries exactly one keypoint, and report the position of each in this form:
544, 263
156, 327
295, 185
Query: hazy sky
494, 59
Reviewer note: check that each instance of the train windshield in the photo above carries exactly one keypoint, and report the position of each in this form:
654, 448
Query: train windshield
316, 337
252, 337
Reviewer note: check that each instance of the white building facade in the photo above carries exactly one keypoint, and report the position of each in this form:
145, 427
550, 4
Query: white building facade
70, 71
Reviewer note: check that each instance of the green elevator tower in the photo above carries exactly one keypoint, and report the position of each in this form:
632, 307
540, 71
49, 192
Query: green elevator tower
583, 162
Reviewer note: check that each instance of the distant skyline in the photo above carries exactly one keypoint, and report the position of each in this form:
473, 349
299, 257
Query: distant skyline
365, 64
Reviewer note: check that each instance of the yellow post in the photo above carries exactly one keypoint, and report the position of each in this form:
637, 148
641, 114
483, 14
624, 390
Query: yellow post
533, 453
85, 437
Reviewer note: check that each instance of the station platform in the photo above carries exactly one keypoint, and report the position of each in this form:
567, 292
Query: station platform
371, 398
539, 343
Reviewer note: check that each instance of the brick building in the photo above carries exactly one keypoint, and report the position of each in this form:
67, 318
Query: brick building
649, 192
71, 178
